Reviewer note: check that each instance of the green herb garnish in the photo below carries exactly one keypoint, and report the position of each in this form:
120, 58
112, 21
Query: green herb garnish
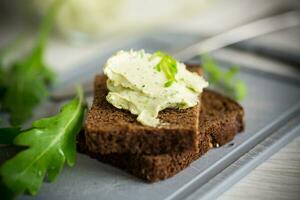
224, 80
51, 142
168, 66
24, 84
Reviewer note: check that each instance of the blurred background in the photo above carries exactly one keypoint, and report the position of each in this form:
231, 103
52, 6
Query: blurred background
86, 29
87, 32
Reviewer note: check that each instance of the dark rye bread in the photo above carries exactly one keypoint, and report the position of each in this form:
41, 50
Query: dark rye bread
220, 119
111, 130
150, 168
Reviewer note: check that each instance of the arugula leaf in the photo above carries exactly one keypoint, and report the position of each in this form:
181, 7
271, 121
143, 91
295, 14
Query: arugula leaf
211, 69
168, 65
240, 89
51, 142
224, 80
2, 88
230, 74
25, 82
24, 92
2, 75
7, 135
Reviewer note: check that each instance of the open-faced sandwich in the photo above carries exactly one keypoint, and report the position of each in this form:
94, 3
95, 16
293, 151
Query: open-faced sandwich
152, 117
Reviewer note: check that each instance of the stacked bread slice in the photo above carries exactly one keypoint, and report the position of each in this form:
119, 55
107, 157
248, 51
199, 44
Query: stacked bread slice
113, 136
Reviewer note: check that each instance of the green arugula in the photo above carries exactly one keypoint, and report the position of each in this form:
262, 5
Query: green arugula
3, 52
2, 88
7, 135
24, 83
224, 80
168, 65
51, 142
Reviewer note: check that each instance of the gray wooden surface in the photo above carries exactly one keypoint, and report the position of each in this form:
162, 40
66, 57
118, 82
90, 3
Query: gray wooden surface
277, 178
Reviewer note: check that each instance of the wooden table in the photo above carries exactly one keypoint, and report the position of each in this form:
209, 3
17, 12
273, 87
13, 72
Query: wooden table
277, 178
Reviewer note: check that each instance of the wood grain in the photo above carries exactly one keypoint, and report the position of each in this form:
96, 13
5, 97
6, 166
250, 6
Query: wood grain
277, 178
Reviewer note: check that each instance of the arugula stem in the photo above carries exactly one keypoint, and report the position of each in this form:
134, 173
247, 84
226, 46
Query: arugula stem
10, 47
45, 27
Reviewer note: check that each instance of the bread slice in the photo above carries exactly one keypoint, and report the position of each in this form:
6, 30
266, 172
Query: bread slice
220, 119
111, 130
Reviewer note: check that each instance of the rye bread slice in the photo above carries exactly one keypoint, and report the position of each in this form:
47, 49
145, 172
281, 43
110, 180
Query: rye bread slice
220, 120
111, 130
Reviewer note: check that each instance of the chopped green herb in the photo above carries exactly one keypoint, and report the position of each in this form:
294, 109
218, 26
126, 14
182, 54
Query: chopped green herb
51, 142
169, 83
168, 66
24, 83
224, 80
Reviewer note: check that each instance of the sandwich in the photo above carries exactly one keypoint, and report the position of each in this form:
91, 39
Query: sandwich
178, 135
